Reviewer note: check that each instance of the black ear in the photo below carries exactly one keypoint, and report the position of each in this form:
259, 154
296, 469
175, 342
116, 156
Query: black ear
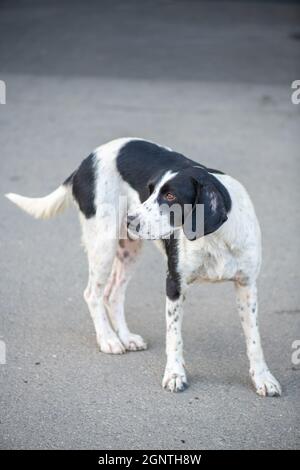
210, 209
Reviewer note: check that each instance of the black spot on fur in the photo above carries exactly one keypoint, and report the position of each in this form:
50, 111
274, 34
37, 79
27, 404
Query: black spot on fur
173, 291
173, 277
83, 186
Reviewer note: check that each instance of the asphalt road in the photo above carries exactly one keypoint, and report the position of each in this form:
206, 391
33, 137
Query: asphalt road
212, 80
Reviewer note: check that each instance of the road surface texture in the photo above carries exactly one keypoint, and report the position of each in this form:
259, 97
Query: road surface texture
212, 80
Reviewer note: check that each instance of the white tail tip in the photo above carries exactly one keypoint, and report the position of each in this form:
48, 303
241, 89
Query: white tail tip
42, 207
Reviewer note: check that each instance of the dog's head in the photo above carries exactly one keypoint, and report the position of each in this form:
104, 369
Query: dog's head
191, 198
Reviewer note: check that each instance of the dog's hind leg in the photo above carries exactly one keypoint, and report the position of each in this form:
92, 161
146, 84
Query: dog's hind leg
101, 251
264, 382
114, 295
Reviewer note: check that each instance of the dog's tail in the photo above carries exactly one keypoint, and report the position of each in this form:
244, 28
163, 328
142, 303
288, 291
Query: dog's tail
45, 207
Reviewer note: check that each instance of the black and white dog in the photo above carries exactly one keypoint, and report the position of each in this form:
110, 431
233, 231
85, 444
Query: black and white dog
148, 178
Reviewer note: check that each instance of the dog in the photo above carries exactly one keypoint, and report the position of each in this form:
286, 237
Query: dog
225, 246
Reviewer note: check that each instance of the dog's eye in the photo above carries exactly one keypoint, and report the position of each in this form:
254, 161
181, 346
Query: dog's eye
169, 196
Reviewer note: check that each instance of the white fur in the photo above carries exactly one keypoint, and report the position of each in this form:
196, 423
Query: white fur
233, 252
174, 378
43, 207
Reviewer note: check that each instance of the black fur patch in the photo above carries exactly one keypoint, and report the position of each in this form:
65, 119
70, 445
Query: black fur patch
173, 278
209, 189
140, 162
83, 186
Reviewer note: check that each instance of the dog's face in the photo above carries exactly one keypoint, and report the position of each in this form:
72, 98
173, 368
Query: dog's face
191, 198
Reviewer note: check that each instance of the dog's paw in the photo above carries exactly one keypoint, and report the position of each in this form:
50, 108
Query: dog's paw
134, 342
265, 384
174, 381
111, 345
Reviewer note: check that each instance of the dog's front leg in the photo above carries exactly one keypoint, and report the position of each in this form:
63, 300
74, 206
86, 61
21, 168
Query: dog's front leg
264, 382
175, 377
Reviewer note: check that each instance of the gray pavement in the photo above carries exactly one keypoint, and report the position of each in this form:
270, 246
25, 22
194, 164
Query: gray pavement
211, 79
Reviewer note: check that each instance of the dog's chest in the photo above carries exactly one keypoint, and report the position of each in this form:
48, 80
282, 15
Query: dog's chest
211, 262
